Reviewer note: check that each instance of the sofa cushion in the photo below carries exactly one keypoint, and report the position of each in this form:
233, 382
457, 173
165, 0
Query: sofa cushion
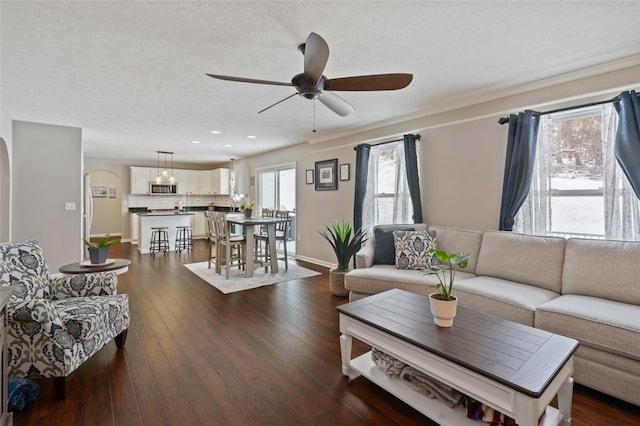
455, 240
505, 299
598, 323
601, 268
525, 259
381, 278
413, 249
384, 251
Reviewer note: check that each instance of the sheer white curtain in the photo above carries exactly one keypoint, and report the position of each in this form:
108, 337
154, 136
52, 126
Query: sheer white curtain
534, 217
621, 206
381, 207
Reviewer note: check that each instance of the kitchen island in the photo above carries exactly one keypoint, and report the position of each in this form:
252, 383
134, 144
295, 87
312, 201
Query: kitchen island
170, 219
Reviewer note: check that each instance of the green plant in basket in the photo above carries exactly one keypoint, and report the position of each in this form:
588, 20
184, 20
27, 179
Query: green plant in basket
447, 262
343, 243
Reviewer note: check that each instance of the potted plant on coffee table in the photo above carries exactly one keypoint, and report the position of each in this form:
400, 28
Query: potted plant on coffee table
99, 250
444, 304
344, 246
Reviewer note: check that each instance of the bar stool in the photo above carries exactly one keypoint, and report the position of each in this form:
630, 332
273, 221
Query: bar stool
183, 239
159, 239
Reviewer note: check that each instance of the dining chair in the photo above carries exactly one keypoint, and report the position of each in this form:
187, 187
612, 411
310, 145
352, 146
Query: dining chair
225, 244
211, 234
261, 240
282, 234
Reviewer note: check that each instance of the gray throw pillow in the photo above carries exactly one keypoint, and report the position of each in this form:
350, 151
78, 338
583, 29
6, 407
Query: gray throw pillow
385, 253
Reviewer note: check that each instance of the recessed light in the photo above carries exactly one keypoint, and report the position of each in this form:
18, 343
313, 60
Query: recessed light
251, 137
227, 145
195, 141
215, 132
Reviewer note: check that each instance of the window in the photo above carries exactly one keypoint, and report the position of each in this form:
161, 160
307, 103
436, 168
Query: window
578, 188
387, 199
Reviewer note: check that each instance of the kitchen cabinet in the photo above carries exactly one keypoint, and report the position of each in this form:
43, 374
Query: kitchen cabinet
198, 227
220, 181
134, 228
140, 177
183, 179
205, 182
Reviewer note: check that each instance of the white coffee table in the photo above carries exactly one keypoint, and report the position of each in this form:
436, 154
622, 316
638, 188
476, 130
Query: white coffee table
511, 367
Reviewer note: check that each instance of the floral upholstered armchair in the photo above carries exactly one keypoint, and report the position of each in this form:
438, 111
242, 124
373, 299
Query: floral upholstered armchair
54, 324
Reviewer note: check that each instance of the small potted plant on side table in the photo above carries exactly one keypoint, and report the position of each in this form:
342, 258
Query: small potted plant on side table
444, 304
344, 246
98, 251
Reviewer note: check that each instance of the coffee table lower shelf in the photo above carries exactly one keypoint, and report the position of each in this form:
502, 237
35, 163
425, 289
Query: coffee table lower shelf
432, 408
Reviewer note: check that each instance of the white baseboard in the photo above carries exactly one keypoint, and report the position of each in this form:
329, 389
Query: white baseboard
316, 261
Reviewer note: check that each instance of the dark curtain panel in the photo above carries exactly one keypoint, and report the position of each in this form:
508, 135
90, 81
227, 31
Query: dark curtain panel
413, 180
518, 167
362, 171
627, 144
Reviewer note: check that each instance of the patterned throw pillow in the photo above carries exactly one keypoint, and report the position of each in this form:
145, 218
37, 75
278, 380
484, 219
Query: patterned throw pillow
412, 249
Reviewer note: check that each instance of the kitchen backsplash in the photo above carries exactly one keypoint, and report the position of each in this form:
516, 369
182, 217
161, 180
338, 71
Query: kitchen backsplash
157, 202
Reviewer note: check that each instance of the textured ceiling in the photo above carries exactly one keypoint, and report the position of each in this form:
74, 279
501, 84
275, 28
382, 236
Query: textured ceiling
132, 74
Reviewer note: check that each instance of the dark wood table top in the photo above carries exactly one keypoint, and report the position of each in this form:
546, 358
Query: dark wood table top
518, 356
81, 268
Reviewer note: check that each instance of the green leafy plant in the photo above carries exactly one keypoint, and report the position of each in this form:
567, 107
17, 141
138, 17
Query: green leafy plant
247, 206
103, 242
447, 262
343, 243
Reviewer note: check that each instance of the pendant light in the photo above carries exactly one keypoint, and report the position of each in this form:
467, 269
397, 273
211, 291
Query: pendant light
172, 179
158, 174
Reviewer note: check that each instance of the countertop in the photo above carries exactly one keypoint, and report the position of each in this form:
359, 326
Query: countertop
167, 213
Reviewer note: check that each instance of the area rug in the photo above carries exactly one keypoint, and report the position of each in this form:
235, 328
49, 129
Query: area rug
237, 280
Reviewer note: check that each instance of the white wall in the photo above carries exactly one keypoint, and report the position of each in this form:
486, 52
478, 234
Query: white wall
46, 175
462, 154
6, 140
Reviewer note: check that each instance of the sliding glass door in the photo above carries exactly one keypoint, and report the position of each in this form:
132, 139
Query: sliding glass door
276, 189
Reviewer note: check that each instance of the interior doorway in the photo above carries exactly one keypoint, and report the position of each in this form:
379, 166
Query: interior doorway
276, 189
105, 193
5, 192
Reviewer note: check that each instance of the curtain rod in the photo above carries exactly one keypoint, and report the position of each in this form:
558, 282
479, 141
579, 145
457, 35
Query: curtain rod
395, 140
505, 120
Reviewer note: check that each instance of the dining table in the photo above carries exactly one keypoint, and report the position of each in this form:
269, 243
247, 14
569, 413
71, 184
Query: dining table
248, 224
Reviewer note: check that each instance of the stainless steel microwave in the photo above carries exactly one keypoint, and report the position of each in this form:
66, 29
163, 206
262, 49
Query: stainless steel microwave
163, 188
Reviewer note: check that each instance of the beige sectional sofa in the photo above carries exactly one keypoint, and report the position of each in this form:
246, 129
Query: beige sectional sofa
585, 289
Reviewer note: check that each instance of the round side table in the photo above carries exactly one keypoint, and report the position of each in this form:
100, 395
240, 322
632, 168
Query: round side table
119, 266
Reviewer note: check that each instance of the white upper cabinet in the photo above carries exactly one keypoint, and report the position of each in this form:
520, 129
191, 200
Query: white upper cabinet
220, 181
205, 184
140, 177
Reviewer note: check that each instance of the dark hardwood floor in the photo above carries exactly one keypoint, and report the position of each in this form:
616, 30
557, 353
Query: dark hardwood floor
268, 356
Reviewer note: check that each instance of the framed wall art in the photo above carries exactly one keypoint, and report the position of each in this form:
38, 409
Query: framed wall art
309, 176
326, 178
344, 171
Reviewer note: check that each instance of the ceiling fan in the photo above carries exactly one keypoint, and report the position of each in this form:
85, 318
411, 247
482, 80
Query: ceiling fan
312, 84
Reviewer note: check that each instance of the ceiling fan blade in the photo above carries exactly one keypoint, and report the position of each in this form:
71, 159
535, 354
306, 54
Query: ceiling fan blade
336, 104
248, 80
282, 100
369, 82
316, 55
